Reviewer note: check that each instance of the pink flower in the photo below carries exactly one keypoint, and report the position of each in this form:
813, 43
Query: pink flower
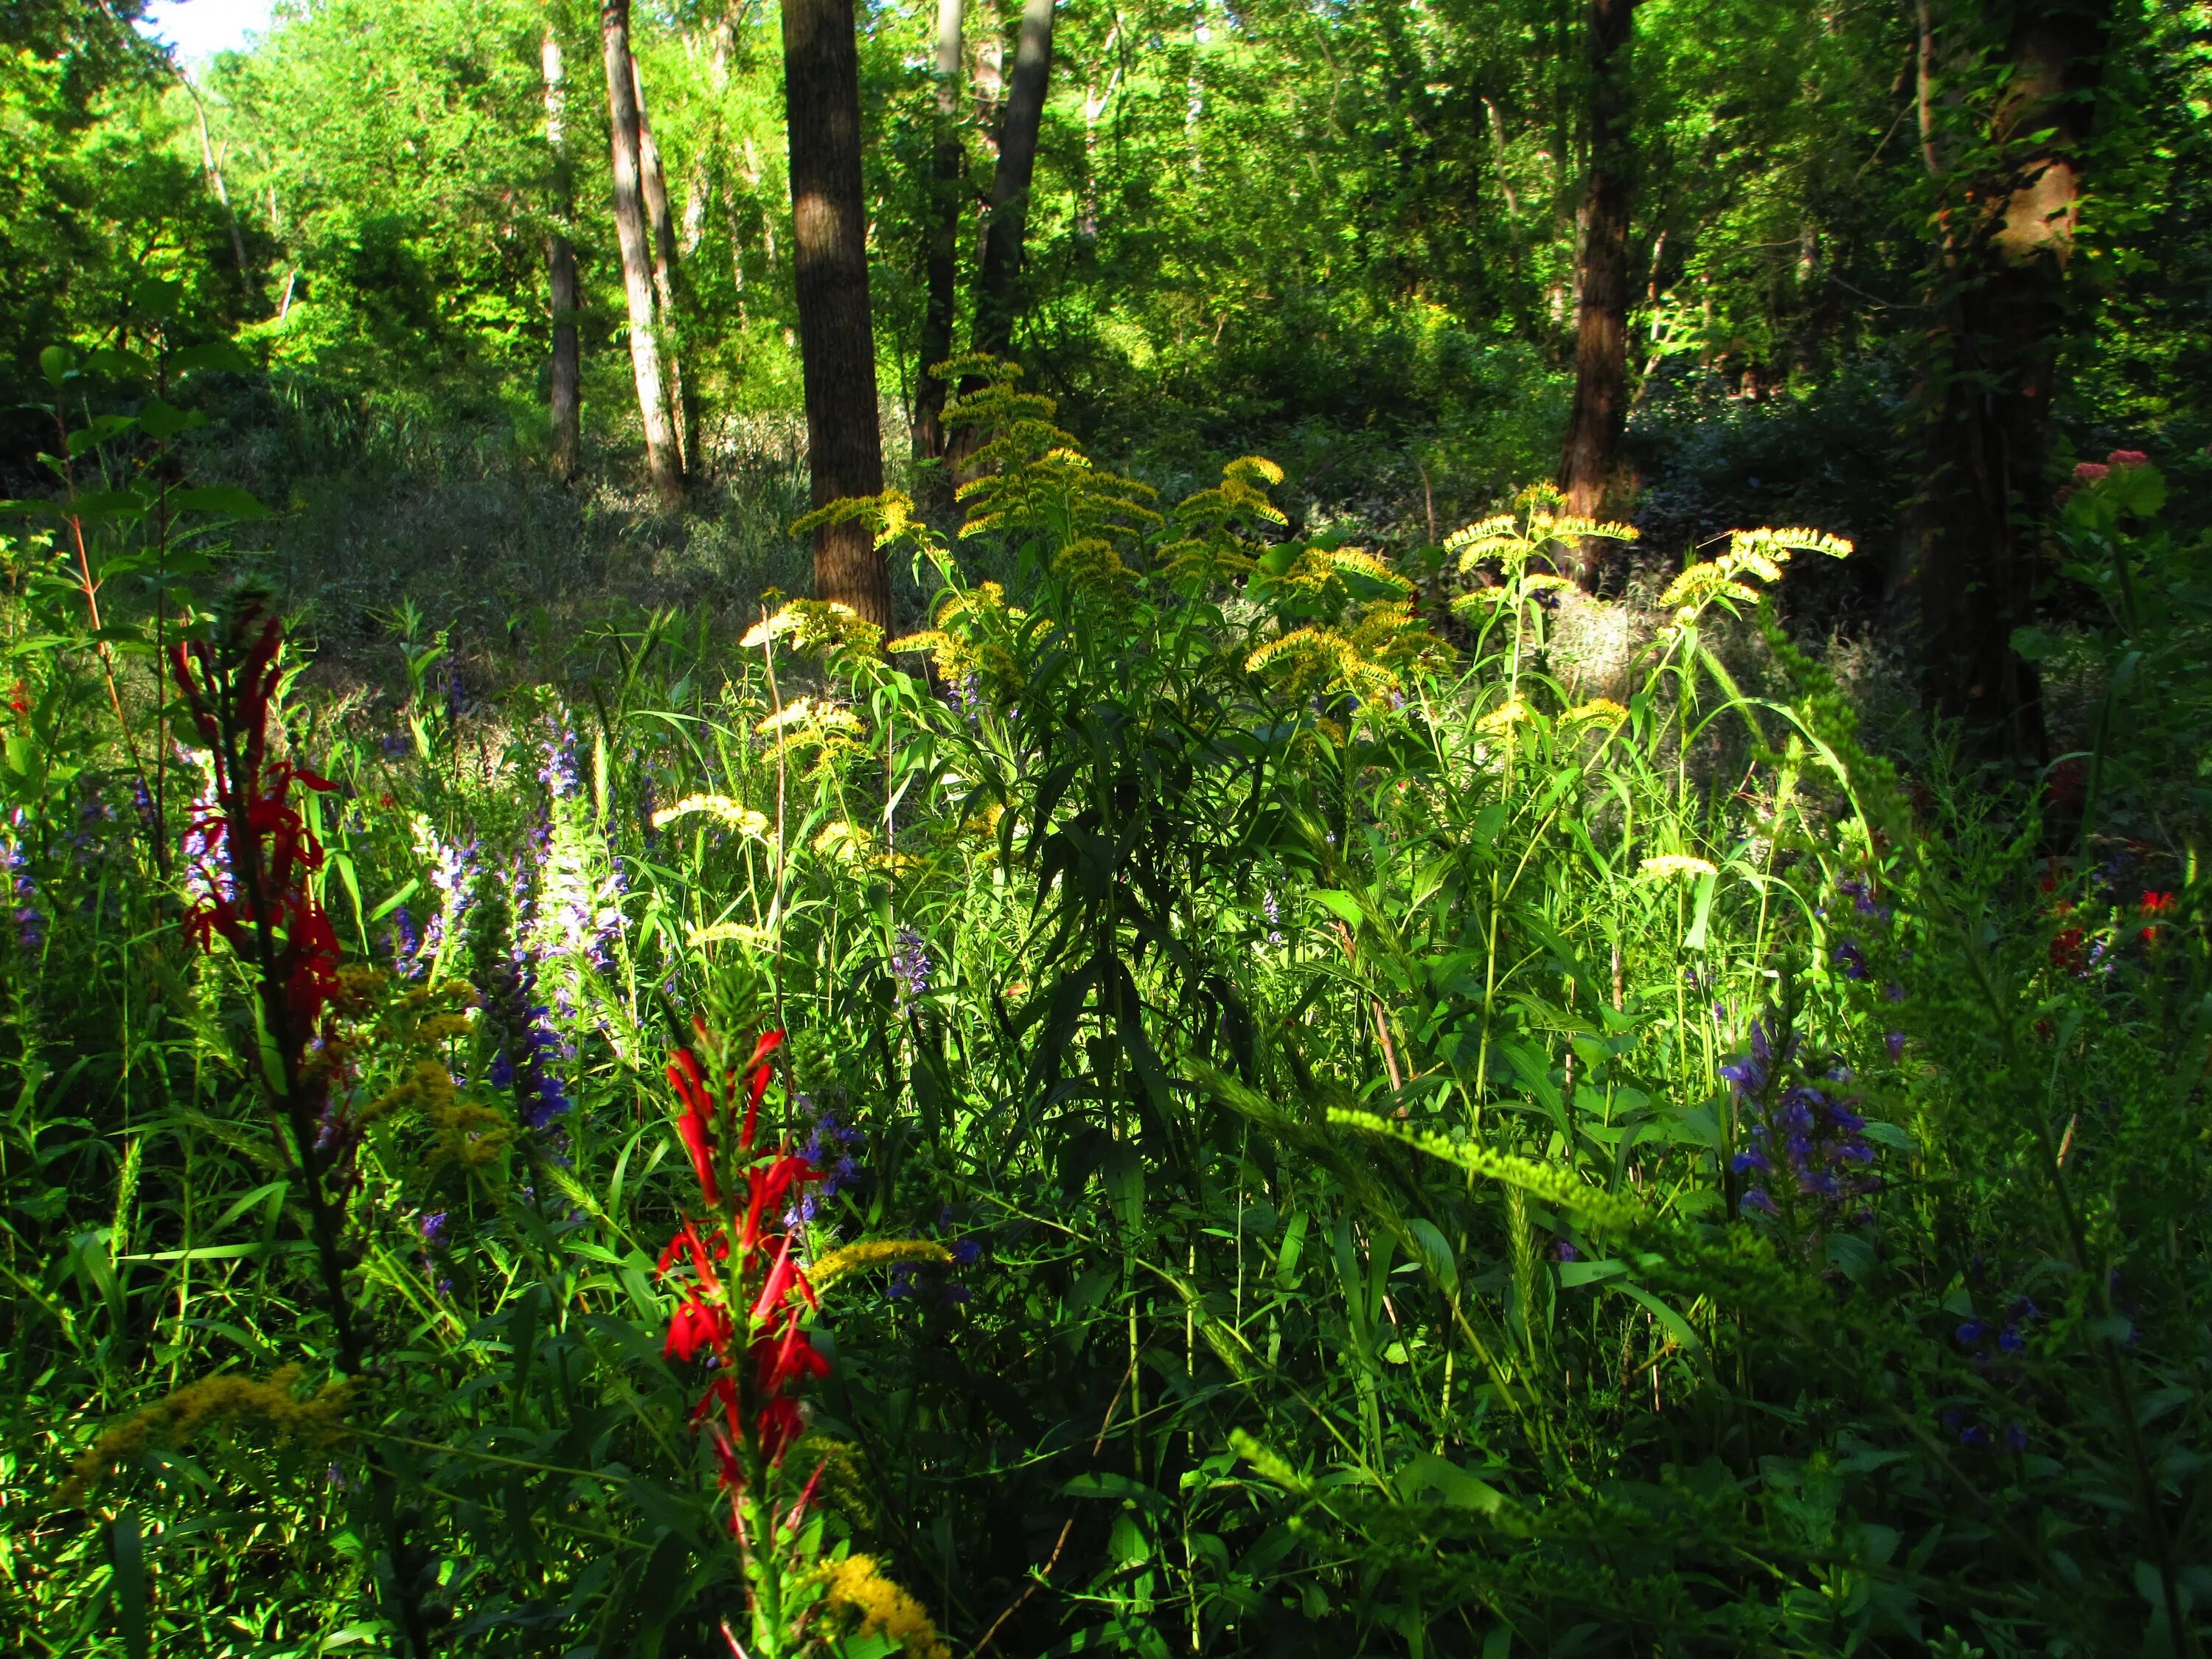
2090, 471
2126, 457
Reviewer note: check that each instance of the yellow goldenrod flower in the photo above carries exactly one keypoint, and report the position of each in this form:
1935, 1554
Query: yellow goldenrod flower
1676, 863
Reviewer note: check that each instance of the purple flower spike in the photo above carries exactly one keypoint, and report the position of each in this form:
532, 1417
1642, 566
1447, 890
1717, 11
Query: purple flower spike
910, 967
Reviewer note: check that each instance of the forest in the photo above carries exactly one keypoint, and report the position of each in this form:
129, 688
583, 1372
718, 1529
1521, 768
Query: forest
1023, 828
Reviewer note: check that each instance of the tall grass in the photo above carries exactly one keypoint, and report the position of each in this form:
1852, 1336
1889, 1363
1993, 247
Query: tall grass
1399, 1153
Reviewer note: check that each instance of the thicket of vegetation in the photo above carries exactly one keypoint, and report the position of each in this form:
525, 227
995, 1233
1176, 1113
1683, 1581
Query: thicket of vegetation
1315, 1003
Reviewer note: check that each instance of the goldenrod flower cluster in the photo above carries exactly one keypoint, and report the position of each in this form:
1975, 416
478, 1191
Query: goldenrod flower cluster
855, 1593
850, 1259
319, 1420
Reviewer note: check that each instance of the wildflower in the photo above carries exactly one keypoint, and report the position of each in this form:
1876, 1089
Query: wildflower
910, 967
2154, 905
2124, 458
1563, 1251
406, 940
2067, 951
1850, 960
966, 695
1273, 910
433, 1228
1971, 1332
1676, 863
694, 1327
30, 924
556, 769
2090, 471
967, 1253
253, 852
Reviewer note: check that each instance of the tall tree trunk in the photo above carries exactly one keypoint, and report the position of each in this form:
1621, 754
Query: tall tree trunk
667, 278
214, 165
830, 264
1996, 354
564, 400
1601, 403
663, 459
997, 290
948, 164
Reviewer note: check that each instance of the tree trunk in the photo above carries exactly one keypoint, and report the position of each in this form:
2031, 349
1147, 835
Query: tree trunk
948, 165
997, 296
564, 400
1996, 353
829, 262
667, 277
663, 459
1601, 403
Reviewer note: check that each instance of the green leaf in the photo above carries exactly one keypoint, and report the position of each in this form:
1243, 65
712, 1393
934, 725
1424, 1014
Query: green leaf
1695, 939
157, 296
1673, 1322
215, 353
1427, 1472
1341, 905
57, 363
160, 419
1573, 1274
107, 504
1436, 1252
128, 1552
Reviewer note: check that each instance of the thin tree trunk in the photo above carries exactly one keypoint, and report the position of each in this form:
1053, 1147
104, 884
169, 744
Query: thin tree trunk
667, 278
663, 459
997, 299
1600, 402
214, 165
1998, 353
948, 164
829, 261
564, 399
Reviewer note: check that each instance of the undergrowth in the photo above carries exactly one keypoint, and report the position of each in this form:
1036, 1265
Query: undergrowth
1295, 1127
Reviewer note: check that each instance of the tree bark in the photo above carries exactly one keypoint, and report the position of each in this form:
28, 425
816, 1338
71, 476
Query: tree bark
1600, 402
948, 165
1996, 351
664, 459
667, 280
997, 288
564, 399
829, 261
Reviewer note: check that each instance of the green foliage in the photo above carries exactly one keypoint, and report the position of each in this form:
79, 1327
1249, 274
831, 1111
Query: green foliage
1373, 1143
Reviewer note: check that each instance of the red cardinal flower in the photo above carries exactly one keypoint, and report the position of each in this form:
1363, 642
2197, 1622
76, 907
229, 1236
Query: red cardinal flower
695, 1325
694, 1122
2155, 904
757, 1084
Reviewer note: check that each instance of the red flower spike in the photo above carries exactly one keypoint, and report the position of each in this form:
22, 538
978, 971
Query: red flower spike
694, 1123
693, 1326
756, 1086
798, 1510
